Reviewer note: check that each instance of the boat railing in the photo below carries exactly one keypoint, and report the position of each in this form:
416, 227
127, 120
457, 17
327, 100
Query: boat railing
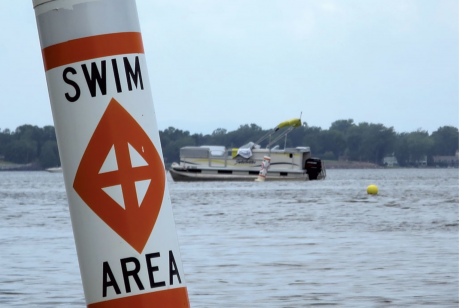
323, 172
284, 134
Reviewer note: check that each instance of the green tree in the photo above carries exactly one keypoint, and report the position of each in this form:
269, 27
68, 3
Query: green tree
244, 134
354, 139
312, 139
419, 145
21, 151
5, 139
342, 125
402, 152
219, 136
49, 156
172, 140
377, 141
295, 138
333, 141
445, 141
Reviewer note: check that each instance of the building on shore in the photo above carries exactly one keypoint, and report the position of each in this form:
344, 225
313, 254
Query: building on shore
446, 161
390, 161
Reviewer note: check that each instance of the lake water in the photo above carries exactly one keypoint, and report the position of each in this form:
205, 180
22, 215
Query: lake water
273, 244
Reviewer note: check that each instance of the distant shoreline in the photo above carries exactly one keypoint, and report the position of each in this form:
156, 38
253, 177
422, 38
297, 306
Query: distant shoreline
329, 164
7, 166
334, 164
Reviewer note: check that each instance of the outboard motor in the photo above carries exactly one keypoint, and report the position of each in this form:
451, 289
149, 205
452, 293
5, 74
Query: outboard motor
314, 167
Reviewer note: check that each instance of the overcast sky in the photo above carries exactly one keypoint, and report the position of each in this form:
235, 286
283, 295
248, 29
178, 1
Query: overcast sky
223, 63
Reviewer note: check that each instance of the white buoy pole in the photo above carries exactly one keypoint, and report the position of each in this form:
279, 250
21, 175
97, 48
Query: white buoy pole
110, 152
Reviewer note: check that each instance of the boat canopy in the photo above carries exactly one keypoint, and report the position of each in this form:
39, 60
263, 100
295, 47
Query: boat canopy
292, 122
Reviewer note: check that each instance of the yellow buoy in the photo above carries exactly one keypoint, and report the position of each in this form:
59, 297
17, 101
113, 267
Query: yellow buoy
372, 190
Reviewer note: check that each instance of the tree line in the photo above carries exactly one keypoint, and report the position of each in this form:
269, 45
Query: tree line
366, 142
30, 144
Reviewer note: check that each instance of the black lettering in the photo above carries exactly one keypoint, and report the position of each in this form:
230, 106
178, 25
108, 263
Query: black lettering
96, 77
134, 272
72, 83
151, 269
173, 268
116, 75
133, 75
107, 273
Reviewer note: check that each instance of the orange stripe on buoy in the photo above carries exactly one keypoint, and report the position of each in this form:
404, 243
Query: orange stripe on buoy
92, 47
172, 298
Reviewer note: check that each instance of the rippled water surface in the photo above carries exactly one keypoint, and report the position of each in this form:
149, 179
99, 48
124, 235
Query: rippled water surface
304, 244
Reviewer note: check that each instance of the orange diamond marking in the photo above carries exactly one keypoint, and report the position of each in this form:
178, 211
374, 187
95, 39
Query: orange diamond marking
135, 218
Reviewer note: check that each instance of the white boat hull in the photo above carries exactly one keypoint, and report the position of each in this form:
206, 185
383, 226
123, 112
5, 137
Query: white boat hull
179, 175
55, 170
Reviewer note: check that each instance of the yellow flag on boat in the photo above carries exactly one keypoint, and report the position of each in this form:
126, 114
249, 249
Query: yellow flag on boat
291, 122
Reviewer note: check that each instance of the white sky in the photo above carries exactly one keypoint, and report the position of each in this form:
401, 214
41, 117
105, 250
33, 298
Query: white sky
223, 63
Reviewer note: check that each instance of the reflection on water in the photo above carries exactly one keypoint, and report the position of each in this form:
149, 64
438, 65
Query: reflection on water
324, 243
